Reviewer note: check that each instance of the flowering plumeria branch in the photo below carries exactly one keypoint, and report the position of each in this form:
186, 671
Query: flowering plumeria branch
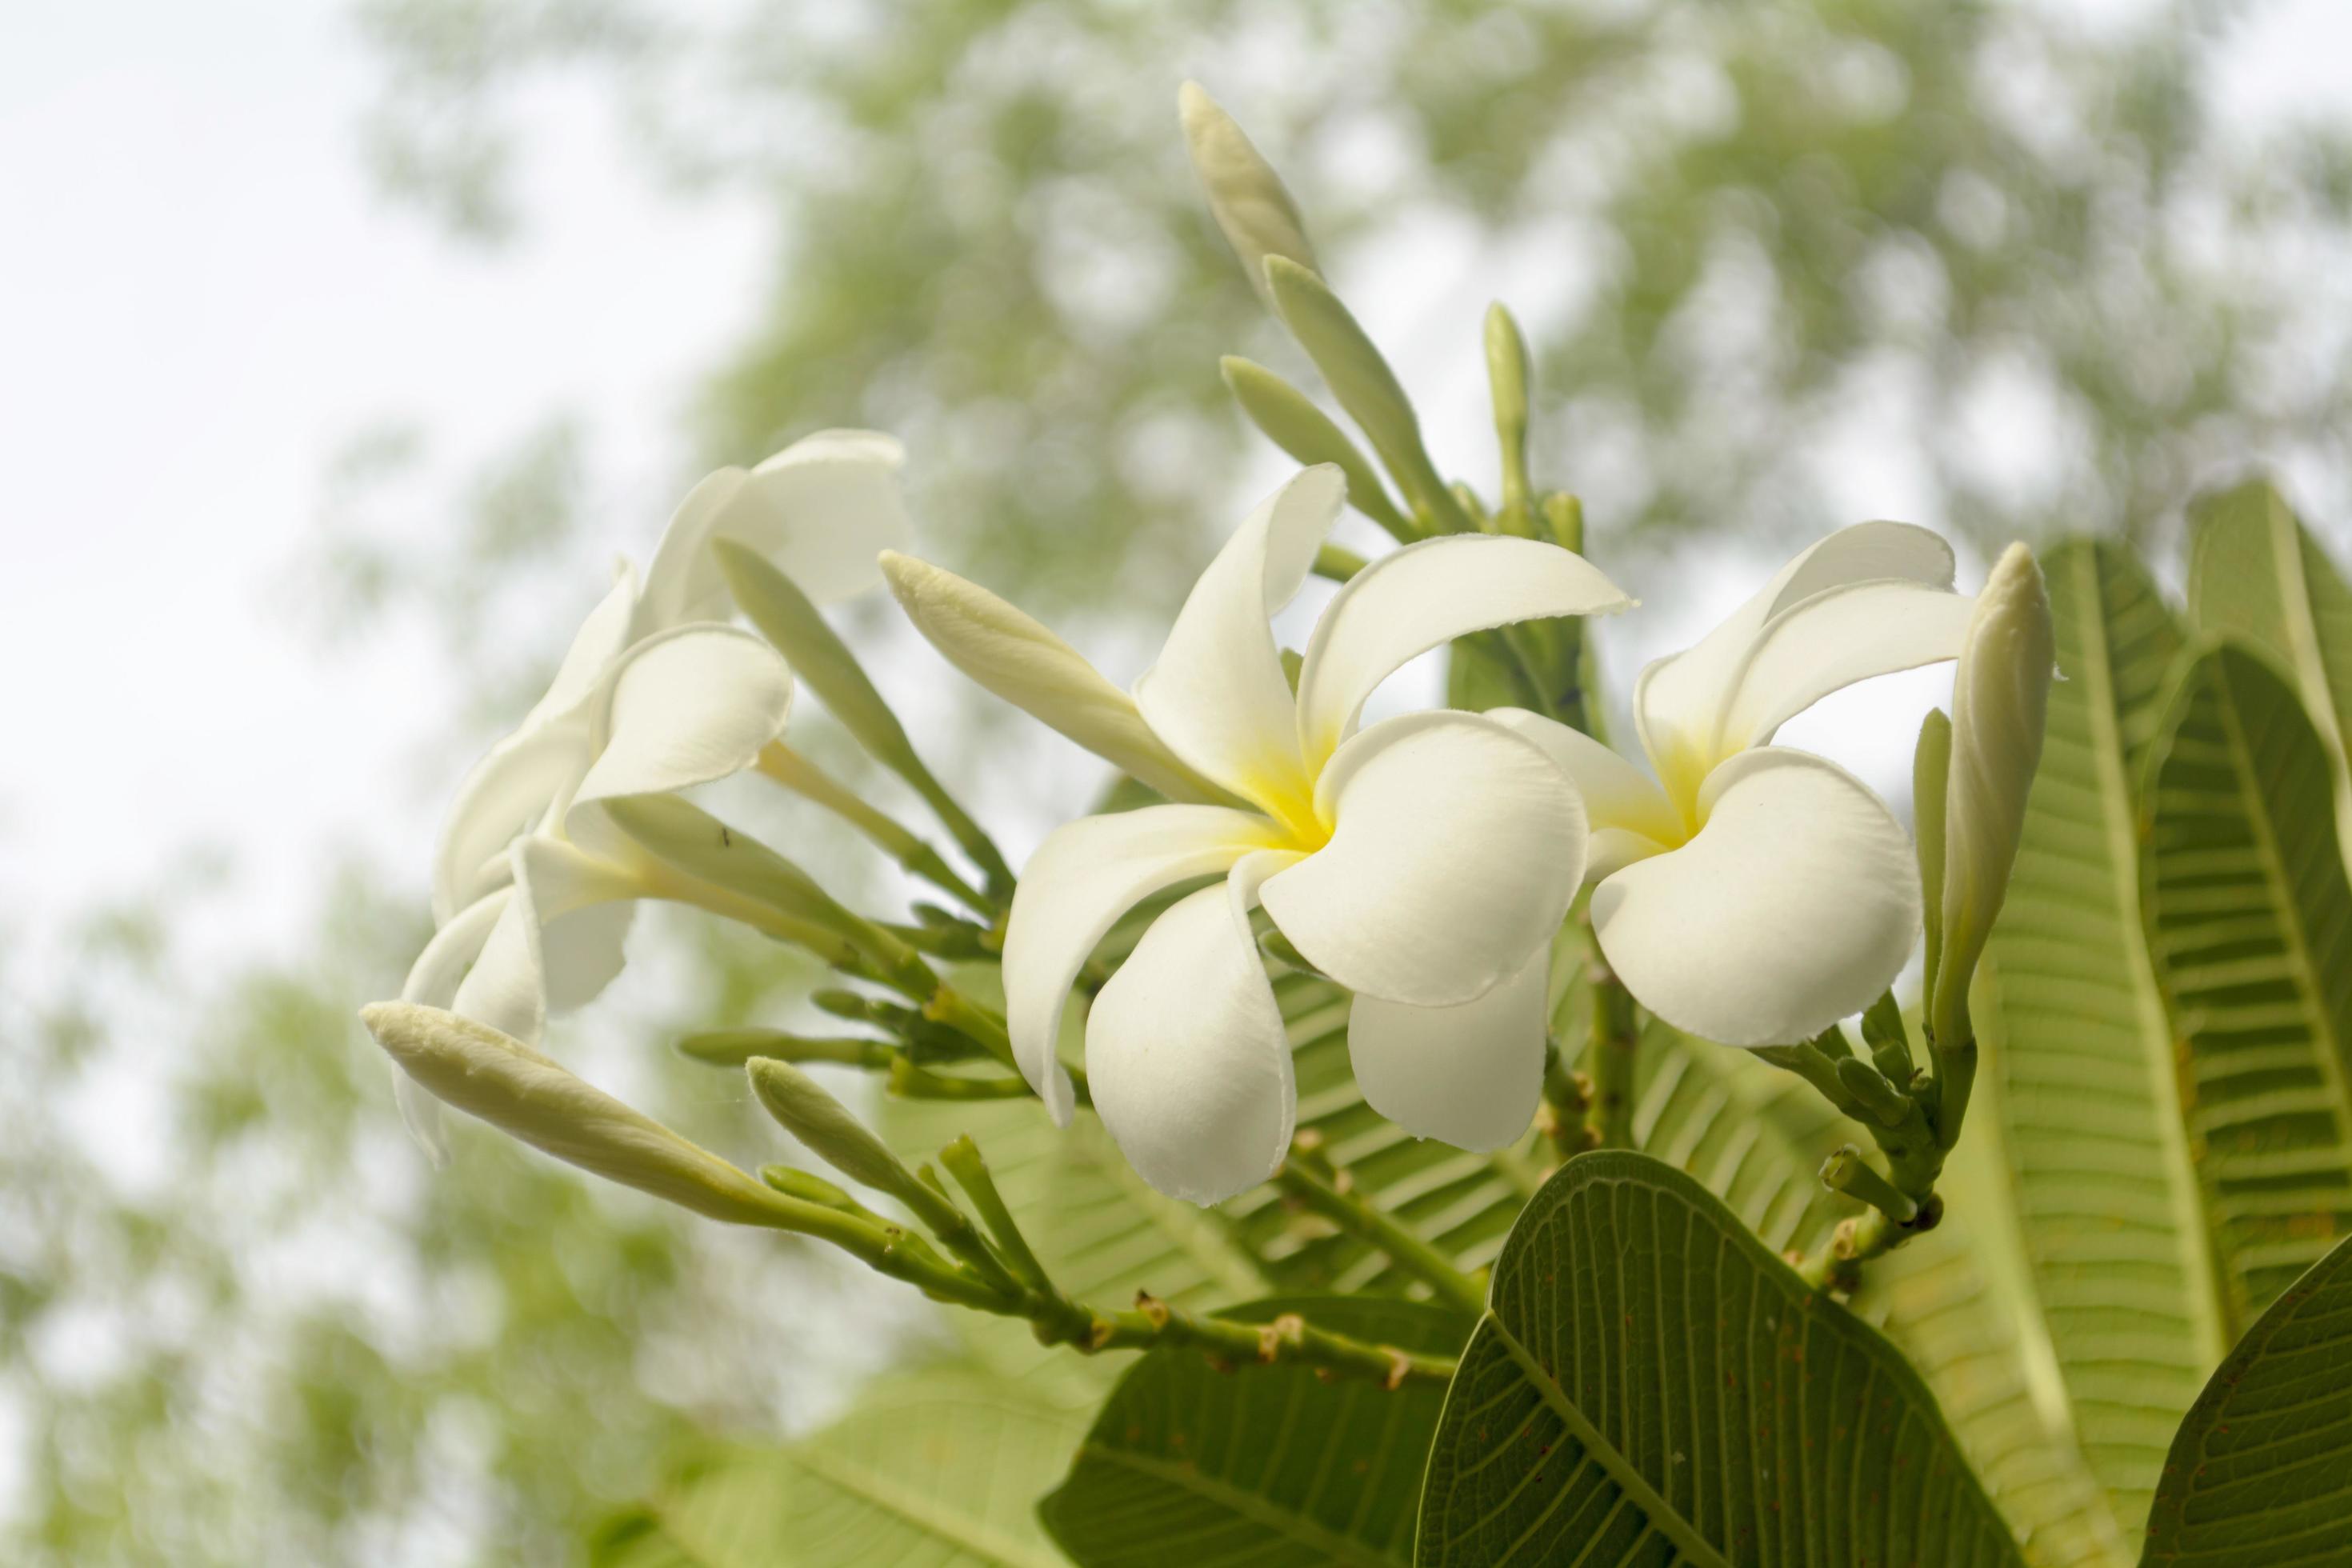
1433, 867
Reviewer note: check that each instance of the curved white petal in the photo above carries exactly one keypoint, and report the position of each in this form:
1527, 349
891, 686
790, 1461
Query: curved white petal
585, 905
601, 638
1835, 638
1423, 596
1616, 792
506, 987
820, 510
433, 980
1186, 1055
1086, 875
1687, 694
1793, 907
1470, 1076
1456, 849
683, 581
684, 707
505, 795
1217, 694
823, 510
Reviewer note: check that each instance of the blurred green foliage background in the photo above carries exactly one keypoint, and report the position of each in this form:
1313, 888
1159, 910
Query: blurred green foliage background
2010, 265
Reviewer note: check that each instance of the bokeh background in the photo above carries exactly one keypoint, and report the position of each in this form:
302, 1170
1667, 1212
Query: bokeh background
341, 347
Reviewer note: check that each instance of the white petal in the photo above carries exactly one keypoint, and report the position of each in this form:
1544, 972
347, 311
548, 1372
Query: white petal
1687, 693
1217, 695
506, 987
1617, 794
820, 511
434, 978
1457, 849
1833, 639
584, 905
601, 639
1470, 1076
684, 707
683, 583
1186, 1053
1422, 597
1086, 875
823, 508
433, 982
1794, 906
506, 795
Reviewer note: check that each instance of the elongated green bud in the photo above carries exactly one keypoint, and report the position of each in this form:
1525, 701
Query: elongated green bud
1247, 198
1931, 769
814, 1117
1506, 379
1365, 385
1288, 418
2000, 694
483, 1073
787, 618
1011, 655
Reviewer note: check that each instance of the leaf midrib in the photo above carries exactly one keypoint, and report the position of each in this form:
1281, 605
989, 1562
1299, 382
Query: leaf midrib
2200, 1264
1699, 1551
1288, 1524
2327, 1048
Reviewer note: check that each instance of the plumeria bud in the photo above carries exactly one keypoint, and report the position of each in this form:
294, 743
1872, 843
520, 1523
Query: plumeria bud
1288, 417
483, 1073
1247, 198
1011, 655
1359, 377
2000, 694
804, 1109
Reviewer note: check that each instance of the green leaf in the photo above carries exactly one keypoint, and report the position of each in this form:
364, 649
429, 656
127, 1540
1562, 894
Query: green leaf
1959, 1302
2080, 1058
941, 1473
2256, 572
1189, 1467
1651, 1384
2260, 1472
2250, 925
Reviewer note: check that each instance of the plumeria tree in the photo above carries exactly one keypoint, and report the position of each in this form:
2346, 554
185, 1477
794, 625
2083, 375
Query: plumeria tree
1459, 1116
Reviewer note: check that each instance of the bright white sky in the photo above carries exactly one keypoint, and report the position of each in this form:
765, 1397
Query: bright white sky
202, 298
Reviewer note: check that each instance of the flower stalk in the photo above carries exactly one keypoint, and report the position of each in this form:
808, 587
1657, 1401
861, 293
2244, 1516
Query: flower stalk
1336, 1199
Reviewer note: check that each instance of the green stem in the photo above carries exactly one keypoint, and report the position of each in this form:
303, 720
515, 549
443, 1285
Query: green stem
1567, 1104
1351, 1212
782, 765
1609, 1055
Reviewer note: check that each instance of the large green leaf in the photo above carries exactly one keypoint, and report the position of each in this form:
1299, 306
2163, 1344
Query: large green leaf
2249, 924
939, 1473
1650, 1384
2256, 572
2261, 1473
2080, 1058
1959, 1301
1188, 1467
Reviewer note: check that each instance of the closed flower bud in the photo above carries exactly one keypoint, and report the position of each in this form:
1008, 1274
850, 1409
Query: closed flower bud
1018, 660
1246, 196
477, 1070
2000, 693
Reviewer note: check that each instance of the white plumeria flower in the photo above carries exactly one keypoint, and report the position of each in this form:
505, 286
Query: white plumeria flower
533, 888
1755, 894
1424, 863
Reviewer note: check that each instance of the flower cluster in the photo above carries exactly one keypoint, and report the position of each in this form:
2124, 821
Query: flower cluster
533, 887
1739, 890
